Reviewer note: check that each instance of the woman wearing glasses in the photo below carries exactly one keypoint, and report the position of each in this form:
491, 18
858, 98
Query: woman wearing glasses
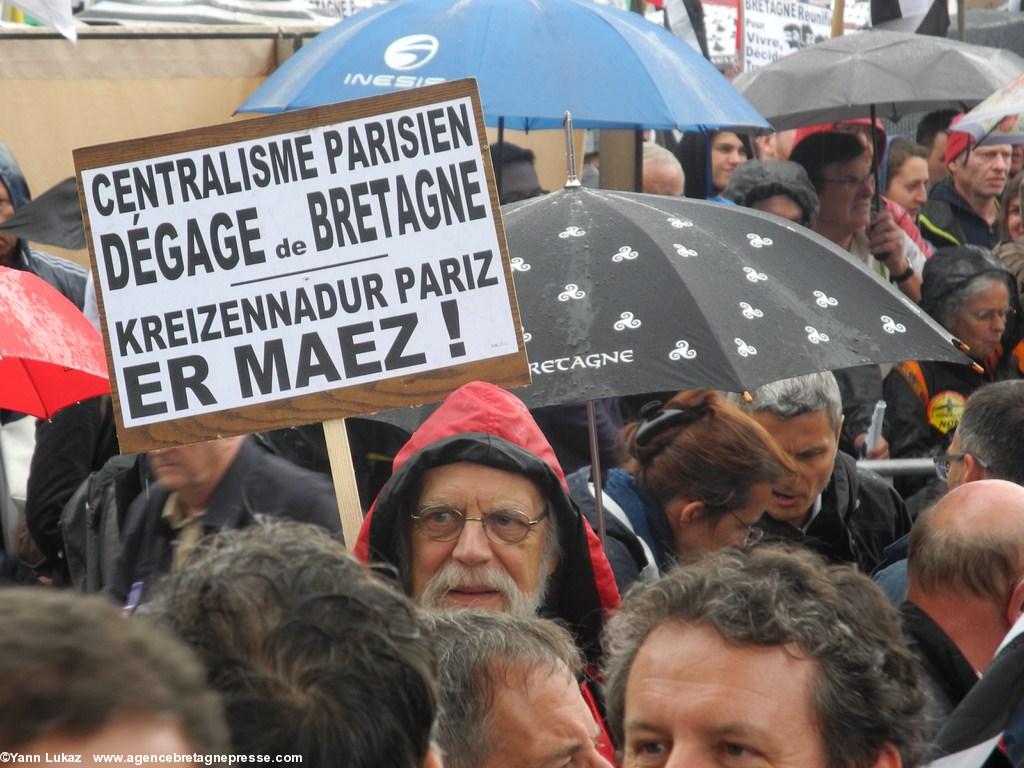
972, 295
697, 476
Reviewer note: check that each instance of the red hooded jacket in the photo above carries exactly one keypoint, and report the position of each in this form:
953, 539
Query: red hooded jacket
485, 424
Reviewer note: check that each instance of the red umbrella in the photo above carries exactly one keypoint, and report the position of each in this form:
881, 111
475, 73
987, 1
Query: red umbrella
50, 354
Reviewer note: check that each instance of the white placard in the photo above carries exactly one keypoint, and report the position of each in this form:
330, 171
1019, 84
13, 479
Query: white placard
270, 268
773, 29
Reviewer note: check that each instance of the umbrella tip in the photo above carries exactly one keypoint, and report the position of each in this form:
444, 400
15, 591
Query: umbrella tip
747, 397
977, 369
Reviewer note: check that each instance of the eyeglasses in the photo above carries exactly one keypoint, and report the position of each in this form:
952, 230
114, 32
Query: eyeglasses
753, 533
988, 315
853, 181
943, 463
503, 526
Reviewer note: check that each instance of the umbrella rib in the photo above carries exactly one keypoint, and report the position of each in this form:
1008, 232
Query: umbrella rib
40, 405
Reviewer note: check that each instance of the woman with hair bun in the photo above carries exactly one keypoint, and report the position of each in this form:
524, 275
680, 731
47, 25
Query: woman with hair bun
697, 475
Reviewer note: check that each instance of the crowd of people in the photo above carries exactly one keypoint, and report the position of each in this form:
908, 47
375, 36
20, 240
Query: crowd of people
732, 589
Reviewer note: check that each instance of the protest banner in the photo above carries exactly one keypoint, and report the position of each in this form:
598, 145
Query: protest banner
299, 267
773, 29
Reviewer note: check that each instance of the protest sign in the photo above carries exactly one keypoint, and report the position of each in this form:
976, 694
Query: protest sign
773, 29
721, 18
299, 267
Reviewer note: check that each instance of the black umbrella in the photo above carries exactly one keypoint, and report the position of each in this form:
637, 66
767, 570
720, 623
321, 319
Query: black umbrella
623, 293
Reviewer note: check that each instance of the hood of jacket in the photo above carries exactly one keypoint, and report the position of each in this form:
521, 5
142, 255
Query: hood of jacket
484, 424
951, 269
694, 154
13, 178
757, 180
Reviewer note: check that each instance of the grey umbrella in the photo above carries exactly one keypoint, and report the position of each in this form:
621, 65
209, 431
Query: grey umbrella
892, 72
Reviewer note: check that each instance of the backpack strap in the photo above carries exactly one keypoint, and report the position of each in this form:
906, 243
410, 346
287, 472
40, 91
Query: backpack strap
650, 571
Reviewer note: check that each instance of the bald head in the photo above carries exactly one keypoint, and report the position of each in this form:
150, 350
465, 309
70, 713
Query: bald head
990, 505
663, 175
966, 565
970, 542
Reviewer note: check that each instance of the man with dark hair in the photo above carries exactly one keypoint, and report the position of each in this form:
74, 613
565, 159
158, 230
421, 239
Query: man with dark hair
931, 134
207, 487
509, 694
987, 442
77, 677
839, 167
514, 172
702, 662
963, 208
848, 514
966, 585
313, 654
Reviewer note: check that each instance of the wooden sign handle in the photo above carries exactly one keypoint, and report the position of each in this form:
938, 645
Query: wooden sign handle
343, 472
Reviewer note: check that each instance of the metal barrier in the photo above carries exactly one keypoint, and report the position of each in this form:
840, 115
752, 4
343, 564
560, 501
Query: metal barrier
898, 467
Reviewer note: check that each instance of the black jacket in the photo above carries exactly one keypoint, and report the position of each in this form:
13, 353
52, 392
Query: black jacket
257, 483
70, 445
947, 676
860, 516
947, 219
924, 403
926, 399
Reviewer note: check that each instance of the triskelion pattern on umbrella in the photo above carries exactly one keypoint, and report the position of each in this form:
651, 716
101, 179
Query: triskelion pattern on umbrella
622, 293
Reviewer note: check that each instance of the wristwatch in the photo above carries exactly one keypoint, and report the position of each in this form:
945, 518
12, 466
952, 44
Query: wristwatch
902, 276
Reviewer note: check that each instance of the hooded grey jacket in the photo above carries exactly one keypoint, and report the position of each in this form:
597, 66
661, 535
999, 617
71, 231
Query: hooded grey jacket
66, 276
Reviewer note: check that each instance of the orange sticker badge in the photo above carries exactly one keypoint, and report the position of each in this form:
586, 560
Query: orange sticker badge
945, 410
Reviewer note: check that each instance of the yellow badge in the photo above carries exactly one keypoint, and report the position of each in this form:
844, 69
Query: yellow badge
945, 410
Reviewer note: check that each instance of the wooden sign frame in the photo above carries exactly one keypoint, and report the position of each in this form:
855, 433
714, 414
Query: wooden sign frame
508, 370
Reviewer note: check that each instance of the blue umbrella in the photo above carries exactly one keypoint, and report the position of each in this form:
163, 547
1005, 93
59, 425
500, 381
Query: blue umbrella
533, 59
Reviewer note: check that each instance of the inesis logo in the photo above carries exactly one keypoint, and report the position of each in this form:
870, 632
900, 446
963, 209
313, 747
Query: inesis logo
403, 55
410, 52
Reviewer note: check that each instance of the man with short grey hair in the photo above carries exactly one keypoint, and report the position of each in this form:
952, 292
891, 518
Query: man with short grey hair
509, 694
765, 656
848, 514
663, 175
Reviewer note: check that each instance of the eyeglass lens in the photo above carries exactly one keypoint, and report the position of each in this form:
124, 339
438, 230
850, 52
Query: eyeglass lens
445, 523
